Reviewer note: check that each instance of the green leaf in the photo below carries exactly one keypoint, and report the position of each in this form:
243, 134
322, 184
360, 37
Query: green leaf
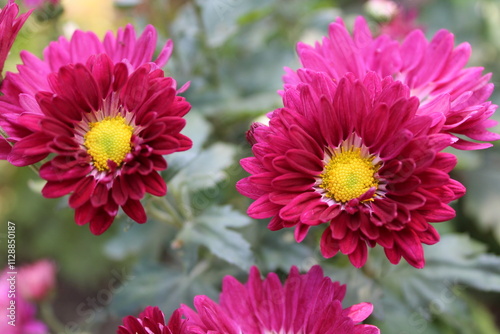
434, 298
145, 240
206, 169
277, 250
460, 259
211, 229
165, 287
481, 202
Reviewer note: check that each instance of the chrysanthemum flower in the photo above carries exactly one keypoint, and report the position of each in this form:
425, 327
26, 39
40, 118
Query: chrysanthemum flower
108, 130
454, 96
107, 118
310, 303
356, 158
10, 24
152, 321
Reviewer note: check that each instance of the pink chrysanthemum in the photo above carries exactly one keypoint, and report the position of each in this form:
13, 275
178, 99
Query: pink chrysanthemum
454, 96
109, 130
310, 303
108, 118
10, 24
152, 321
355, 157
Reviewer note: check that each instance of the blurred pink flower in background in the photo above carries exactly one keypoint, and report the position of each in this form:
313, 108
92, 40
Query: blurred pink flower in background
455, 96
395, 19
39, 3
401, 24
24, 312
36, 281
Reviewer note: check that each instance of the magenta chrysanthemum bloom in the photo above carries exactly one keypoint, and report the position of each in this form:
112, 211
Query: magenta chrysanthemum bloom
10, 24
310, 303
454, 96
109, 130
106, 113
152, 321
356, 157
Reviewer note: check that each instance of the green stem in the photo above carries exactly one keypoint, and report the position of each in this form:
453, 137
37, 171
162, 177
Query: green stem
48, 316
170, 210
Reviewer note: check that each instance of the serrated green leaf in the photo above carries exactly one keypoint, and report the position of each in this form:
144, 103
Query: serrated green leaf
145, 240
277, 250
433, 297
211, 229
459, 259
207, 168
165, 287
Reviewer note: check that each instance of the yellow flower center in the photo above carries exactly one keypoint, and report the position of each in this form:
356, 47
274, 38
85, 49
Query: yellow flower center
348, 175
108, 139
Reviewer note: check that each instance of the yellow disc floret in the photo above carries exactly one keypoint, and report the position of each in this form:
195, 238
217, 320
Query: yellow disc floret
348, 175
108, 139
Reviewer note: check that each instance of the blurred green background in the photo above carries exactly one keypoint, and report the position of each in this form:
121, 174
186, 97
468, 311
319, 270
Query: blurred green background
233, 52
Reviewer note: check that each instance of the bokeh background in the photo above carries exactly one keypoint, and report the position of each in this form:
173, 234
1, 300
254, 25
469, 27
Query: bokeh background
233, 53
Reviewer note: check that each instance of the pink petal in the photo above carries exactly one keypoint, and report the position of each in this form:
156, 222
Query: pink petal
358, 312
83, 191
294, 209
301, 231
263, 208
100, 222
359, 256
135, 210
329, 247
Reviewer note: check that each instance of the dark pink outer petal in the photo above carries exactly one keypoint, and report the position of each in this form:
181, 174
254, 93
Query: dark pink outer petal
135, 210
5, 149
